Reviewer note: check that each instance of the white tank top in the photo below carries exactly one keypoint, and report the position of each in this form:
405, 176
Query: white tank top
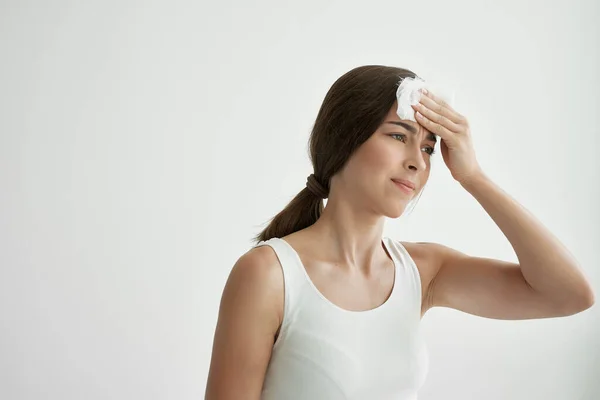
326, 352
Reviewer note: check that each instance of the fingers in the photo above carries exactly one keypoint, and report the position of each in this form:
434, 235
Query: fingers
440, 106
434, 127
437, 115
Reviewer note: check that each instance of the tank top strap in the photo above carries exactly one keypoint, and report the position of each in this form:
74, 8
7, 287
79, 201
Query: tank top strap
407, 268
294, 277
292, 271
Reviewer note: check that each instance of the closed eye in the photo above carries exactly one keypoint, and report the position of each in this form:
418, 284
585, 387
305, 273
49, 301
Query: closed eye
430, 150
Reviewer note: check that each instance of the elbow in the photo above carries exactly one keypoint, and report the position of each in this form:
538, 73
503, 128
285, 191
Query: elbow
583, 301
583, 296
571, 302
588, 296
590, 299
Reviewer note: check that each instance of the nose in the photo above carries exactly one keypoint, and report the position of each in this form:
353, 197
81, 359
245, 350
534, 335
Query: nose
415, 158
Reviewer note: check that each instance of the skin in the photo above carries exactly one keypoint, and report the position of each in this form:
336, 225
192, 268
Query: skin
343, 253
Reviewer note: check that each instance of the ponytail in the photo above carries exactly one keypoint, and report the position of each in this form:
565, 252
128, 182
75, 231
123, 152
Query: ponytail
303, 211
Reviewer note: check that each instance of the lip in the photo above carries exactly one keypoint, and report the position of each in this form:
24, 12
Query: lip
405, 182
405, 185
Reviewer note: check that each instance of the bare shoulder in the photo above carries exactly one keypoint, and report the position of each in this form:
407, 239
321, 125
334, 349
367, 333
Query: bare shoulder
259, 260
428, 258
249, 316
258, 270
258, 275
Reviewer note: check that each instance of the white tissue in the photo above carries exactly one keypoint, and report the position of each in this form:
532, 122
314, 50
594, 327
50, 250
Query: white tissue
408, 94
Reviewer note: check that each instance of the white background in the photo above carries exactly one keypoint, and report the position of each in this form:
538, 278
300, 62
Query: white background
142, 145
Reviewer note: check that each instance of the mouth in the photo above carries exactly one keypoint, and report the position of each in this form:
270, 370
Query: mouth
403, 184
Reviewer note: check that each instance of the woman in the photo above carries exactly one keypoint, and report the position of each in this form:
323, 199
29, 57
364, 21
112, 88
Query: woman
324, 307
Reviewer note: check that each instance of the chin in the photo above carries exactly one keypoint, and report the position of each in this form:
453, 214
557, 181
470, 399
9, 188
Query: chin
397, 211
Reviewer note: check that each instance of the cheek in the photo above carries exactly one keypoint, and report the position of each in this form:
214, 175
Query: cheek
374, 158
382, 156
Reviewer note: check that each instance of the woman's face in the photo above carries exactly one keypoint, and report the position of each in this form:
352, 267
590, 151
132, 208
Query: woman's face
398, 149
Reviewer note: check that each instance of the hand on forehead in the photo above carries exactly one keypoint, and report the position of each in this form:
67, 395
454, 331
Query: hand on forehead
409, 93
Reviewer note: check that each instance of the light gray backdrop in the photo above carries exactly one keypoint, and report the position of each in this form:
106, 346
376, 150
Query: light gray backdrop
142, 144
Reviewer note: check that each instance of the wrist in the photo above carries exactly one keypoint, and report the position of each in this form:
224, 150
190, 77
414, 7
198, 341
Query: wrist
474, 180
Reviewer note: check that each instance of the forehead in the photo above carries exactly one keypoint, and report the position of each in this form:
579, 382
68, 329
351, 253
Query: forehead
393, 116
393, 120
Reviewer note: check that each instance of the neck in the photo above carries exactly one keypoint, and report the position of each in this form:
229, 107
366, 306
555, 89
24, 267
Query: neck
350, 236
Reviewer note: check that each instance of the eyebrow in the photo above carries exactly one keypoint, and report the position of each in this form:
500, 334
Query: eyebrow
412, 129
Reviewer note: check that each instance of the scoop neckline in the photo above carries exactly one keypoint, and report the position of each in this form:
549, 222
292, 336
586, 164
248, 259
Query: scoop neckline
331, 303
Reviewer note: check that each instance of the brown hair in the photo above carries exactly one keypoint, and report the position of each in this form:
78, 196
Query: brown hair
353, 108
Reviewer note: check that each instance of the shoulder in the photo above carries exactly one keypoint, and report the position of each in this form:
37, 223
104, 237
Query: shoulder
261, 260
255, 288
431, 254
249, 316
255, 283
258, 270
428, 257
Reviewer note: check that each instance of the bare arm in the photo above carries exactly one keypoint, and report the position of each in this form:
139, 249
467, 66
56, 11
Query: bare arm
547, 281
249, 316
546, 264
486, 287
